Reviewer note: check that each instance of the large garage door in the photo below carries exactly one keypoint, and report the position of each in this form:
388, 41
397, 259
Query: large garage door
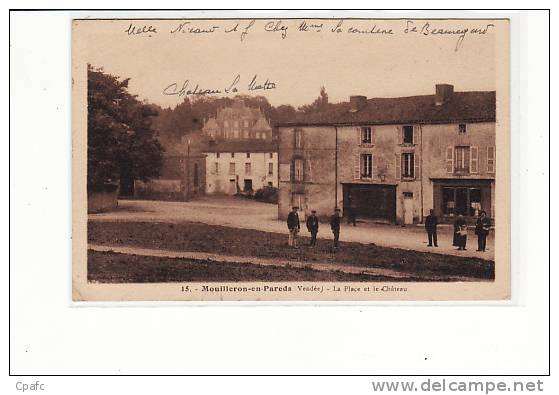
376, 202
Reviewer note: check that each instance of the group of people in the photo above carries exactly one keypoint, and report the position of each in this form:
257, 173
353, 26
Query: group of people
460, 237
483, 226
294, 227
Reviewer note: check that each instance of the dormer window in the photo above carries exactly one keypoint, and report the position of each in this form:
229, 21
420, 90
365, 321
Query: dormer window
462, 128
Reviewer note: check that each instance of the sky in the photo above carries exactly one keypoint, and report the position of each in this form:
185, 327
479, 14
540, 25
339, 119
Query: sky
159, 56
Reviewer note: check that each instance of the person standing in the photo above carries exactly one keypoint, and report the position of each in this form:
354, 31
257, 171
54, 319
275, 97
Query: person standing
335, 226
312, 227
483, 225
351, 217
461, 232
431, 223
294, 227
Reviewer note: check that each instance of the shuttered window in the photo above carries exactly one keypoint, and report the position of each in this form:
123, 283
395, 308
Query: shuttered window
491, 159
450, 159
462, 159
298, 170
416, 134
398, 167
366, 166
474, 159
298, 138
357, 167
408, 165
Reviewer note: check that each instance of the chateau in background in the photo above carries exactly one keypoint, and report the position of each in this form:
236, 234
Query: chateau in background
392, 159
238, 122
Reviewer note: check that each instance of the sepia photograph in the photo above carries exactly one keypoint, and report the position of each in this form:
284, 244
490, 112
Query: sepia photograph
290, 159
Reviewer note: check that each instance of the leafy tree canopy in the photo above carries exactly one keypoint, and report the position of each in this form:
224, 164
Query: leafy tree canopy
121, 139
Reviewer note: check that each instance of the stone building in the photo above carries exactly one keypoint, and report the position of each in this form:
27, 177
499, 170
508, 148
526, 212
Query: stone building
238, 122
392, 159
182, 177
240, 167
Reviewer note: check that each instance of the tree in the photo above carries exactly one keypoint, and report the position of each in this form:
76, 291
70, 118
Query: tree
319, 105
120, 139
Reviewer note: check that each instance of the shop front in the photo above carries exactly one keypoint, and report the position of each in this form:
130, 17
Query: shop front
467, 197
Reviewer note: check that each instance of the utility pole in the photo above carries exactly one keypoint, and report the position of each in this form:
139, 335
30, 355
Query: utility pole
336, 169
188, 169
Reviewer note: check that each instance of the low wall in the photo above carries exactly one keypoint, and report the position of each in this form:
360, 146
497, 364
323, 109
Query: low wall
159, 190
102, 200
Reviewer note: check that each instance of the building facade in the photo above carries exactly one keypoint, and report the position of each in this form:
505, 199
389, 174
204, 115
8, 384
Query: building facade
238, 122
234, 167
393, 159
182, 176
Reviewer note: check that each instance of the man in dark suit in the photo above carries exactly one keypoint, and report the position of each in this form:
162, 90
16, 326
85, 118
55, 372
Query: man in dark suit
431, 223
483, 225
294, 226
312, 227
335, 226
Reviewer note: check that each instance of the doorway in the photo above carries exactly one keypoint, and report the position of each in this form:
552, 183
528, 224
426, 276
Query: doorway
376, 202
408, 208
232, 187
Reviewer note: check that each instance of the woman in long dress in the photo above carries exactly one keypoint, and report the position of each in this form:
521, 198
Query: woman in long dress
460, 233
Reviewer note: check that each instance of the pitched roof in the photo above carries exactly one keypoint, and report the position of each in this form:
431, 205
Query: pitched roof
248, 145
261, 124
462, 107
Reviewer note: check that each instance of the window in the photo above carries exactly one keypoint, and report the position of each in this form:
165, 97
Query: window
271, 155
270, 168
462, 128
366, 166
217, 155
232, 154
366, 135
462, 200
474, 207
408, 163
216, 167
248, 185
270, 184
248, 169
248, 154
298, 170
448, 200
491, 159
298, 200
298, 138
232, 168
407, 134
462, 159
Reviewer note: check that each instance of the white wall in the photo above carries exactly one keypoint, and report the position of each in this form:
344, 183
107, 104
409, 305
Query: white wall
217, 182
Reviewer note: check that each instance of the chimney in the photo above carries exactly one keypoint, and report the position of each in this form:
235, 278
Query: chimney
443, 93
357, 103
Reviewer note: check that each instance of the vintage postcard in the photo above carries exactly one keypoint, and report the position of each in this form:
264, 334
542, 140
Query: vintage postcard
291, 159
